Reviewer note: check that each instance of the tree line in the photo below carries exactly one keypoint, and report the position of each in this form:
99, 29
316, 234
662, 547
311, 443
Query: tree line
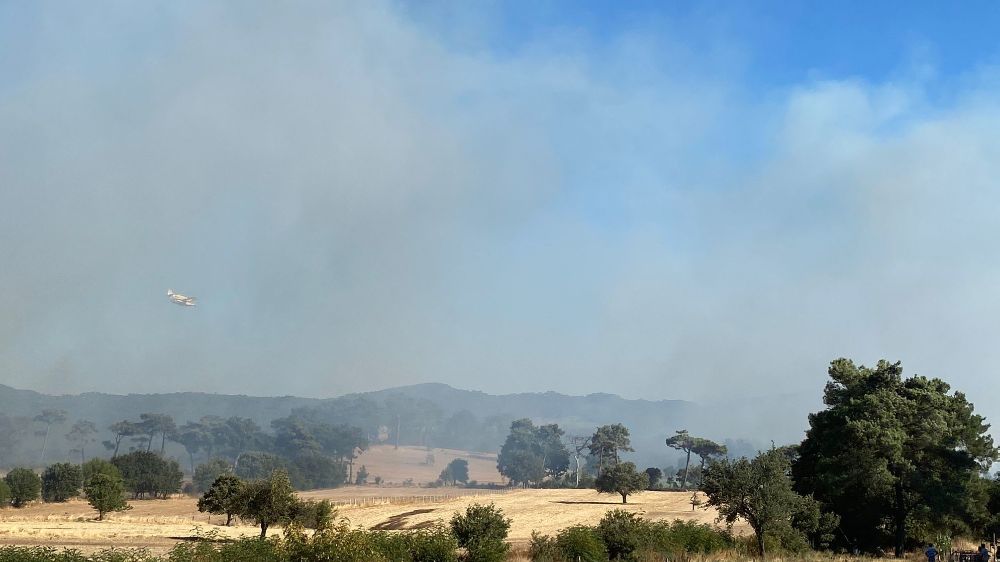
890, 463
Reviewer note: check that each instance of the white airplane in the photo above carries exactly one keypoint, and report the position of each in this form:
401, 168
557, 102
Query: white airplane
179, 299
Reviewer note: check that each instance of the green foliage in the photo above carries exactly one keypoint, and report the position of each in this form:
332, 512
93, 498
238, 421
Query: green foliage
61, 481
531, 453
622, 479
482, 531
267, 502
4, 494
224, 496
313, 514
758, 491
581, 544
456, 471
311, 470
895, 458
99, 466
255, 465
105, 494
606, 444
25, 486
622, 533
146, 473
654, 475
207, 473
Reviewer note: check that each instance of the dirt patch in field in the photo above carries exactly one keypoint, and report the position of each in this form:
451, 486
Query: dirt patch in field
399, 522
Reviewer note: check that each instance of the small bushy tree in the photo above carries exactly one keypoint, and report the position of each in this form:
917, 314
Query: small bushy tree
25, 486
268, 501
223, 497
482, 531
456, 471
622, 479
106, 494
61, 481
757, 491
655, 475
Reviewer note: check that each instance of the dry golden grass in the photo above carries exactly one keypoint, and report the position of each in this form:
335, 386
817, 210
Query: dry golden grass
397, 465
159, 524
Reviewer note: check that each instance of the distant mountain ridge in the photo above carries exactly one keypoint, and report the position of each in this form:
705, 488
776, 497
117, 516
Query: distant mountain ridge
650, 421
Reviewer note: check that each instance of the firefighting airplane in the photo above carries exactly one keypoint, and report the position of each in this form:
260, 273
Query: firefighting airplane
179, 299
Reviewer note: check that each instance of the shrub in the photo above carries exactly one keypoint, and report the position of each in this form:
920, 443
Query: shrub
581, 544
61, 481
105, 494
313, 514
543, 548
24, 485
622, 533
482, 531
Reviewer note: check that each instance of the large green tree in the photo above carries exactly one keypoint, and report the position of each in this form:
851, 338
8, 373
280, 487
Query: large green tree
890, 454
532, 452
147, 473
61, 481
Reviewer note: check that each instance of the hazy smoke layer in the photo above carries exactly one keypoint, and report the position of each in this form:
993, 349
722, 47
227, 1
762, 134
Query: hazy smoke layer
359, 200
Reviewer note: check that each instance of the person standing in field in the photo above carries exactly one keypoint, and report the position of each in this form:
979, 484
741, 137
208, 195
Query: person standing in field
984, 553
931, 553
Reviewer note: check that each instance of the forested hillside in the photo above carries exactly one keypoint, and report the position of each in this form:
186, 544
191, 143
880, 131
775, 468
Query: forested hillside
426, 414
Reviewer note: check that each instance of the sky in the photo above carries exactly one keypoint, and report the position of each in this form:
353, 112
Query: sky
654, 199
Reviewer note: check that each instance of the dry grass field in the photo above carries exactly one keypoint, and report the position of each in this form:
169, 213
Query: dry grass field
159, 524
397, 465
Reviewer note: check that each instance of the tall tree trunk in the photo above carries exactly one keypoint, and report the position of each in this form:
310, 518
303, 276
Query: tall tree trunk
899, 518
263, 529
624, 498
229, 519
163, 442
397, 431
45, 439
760, 544
149, 444
83, 458
191, 459
577, 458
687, 463
118, 441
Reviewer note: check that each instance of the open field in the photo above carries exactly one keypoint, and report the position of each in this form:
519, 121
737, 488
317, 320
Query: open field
159, 524
397, 465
